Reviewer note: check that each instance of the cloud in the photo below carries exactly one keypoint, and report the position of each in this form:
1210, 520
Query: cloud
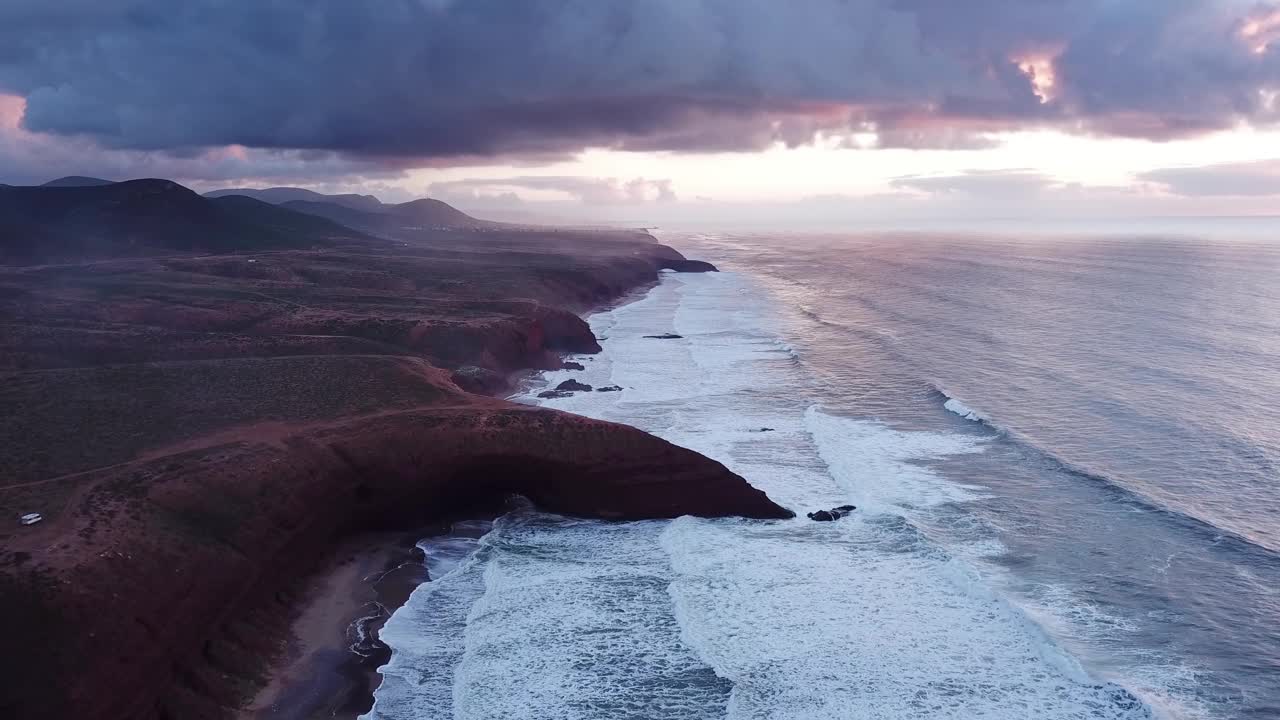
1252, 179
448, 80
587, 190
994, 183
975, 199
979, 201
32, 158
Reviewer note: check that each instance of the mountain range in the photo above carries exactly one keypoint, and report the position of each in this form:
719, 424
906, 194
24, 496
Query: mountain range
79, 218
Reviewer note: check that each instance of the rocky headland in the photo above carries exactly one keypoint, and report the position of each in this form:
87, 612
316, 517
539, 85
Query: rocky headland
204, 398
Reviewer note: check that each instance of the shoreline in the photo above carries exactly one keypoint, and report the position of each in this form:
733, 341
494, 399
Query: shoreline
322, 673
325, 667
366, 398
329, 664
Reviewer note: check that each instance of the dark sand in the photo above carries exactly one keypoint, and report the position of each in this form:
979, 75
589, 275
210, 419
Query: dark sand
329, 668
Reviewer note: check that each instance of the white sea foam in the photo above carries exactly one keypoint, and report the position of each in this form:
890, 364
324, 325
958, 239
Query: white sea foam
858, 621
426, 635
962, 410
880, 466
727, 618
575, 622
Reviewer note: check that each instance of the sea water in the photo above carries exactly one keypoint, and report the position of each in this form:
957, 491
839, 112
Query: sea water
1063, 455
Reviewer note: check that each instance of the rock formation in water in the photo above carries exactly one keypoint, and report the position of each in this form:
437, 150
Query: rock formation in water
832, 514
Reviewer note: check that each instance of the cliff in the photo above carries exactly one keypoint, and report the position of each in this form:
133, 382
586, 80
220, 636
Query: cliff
197, 430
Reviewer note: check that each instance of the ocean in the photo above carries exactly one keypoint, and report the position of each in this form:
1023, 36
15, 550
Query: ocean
1064, 453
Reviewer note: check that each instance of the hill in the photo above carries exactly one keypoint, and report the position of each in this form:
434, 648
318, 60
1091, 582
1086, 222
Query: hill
364, 212
398, 221
71, 223
433, 212
344, 215
281, 195
77, 181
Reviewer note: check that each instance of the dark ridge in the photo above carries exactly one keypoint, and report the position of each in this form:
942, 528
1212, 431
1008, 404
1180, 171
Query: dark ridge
393, 220
433, 212
282, 195
77, 181
342, 214
361, 211
137, 218
278, 218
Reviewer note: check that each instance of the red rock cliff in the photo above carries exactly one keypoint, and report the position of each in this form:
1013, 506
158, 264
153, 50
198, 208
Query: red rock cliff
198, 431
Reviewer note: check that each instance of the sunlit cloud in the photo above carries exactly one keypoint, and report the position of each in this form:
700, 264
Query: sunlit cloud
1040, 72
1260, 30
588, 190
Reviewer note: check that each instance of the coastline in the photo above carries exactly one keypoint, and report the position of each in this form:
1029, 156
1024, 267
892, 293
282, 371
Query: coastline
329, 661
201, 448
318, 671
518, 383
330, 664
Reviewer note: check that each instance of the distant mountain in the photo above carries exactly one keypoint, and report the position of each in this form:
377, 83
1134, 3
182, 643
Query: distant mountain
342, 214
281, 195
77, 181
392, 219
145, 217
265, 216
432, 212
363, 212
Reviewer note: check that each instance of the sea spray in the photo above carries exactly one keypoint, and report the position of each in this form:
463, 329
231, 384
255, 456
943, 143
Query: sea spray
713, 618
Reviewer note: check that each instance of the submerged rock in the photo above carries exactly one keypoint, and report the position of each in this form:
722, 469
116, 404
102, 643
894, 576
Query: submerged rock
665, 336
572, 366
551, 394
609, 388
569, 386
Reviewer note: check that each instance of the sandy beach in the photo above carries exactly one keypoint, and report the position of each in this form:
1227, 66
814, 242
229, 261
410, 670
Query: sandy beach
328, 667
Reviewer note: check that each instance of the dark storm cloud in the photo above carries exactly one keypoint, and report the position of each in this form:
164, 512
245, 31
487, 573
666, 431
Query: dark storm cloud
455, 78
28, 158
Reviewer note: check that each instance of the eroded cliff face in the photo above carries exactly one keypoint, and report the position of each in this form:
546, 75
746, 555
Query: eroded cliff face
143, 589
200, 431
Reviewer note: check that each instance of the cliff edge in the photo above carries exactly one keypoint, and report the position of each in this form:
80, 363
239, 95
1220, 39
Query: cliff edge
197, 430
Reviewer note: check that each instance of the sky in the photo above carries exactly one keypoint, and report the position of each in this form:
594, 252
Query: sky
805, 111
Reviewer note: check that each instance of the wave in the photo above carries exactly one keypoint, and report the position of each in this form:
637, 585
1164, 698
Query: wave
781, 648
963, 410
955, 405
786, 348
1124, 494
427, 634
873, 462
813, 315
575, 621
